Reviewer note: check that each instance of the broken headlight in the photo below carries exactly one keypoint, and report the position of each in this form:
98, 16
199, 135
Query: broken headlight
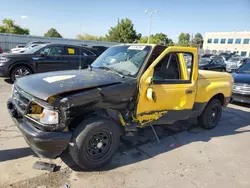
49, 117
43, 115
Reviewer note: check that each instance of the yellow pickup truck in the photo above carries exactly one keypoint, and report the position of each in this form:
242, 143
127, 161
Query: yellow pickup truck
128, 87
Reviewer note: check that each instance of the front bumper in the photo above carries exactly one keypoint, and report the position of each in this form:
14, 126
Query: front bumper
231, 69
241, 98
44, 144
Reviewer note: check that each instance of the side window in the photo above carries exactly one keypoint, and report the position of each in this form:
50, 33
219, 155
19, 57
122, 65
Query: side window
167, 68
52, 50
156, 52
209, 41
216, 41
218, 61
175, 67
85, 52
189, 63
72, 51
213, 62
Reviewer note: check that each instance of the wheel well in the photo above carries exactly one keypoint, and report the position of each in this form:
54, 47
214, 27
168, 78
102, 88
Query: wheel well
220, 97
104, 113
21, 64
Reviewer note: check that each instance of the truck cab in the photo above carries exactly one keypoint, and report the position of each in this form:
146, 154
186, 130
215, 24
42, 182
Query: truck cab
128, 87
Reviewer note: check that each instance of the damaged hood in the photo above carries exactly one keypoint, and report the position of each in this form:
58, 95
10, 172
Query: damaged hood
50, 84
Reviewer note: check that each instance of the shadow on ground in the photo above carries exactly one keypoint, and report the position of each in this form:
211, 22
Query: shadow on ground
241, 104
8, 81
144, 145
11, 154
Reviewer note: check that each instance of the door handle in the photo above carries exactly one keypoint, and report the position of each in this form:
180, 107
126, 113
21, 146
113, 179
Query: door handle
189, 91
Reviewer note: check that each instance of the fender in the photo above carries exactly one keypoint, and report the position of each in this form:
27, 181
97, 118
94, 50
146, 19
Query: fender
113, 115
212, 87
22, 63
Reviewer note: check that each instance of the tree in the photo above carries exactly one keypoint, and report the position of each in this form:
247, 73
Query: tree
123, 32
197, 41
10, 27
169, 42
184, 39
53, 33
158, 38
86, 36
144, 39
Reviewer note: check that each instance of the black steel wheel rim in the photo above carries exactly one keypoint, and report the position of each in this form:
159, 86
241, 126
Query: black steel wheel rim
213, 115
99, 145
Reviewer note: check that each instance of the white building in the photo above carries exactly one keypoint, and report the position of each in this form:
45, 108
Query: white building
238, 42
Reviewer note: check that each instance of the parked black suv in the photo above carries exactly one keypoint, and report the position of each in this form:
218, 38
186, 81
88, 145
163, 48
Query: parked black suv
45, 58
212, 64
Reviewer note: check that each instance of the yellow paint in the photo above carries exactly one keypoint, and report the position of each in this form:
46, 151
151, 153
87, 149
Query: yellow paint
168, 96
66, 129
204, 85
145, 119
35, 108
35, 116
211, 83
122, 120
71, 51
51, 99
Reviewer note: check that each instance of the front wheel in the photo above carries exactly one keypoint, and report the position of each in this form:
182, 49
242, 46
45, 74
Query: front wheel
211, 115
94, 142
19, 71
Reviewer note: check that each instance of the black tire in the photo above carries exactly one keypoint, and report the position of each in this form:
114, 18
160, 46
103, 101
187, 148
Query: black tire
25, 70
86, 150
223, 70
211, 115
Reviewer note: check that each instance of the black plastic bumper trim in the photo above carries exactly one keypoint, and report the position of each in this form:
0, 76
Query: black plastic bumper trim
44, 144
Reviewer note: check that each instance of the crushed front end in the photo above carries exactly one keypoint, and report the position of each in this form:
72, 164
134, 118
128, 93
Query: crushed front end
40, 123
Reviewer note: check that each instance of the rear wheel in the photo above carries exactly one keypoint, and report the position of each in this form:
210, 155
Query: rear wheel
95, 141
19, 71
211, 115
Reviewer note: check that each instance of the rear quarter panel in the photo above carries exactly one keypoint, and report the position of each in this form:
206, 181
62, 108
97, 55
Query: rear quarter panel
211, 83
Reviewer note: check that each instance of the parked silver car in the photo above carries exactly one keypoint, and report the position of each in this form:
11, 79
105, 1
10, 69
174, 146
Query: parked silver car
234, 63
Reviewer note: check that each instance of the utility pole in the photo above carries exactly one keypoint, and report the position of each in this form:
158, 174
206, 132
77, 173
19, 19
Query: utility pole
118, 27
150, 21
192, 38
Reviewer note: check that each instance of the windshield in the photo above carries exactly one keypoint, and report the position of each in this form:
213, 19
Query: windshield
244, 69
204, 61
234, 59
28, 45
207, 55
126, 60
33, 50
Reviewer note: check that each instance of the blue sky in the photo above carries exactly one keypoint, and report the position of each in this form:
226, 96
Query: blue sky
71, 17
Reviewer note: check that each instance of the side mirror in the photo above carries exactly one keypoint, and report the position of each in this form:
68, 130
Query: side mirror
151, 95
43, 54
149, 80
